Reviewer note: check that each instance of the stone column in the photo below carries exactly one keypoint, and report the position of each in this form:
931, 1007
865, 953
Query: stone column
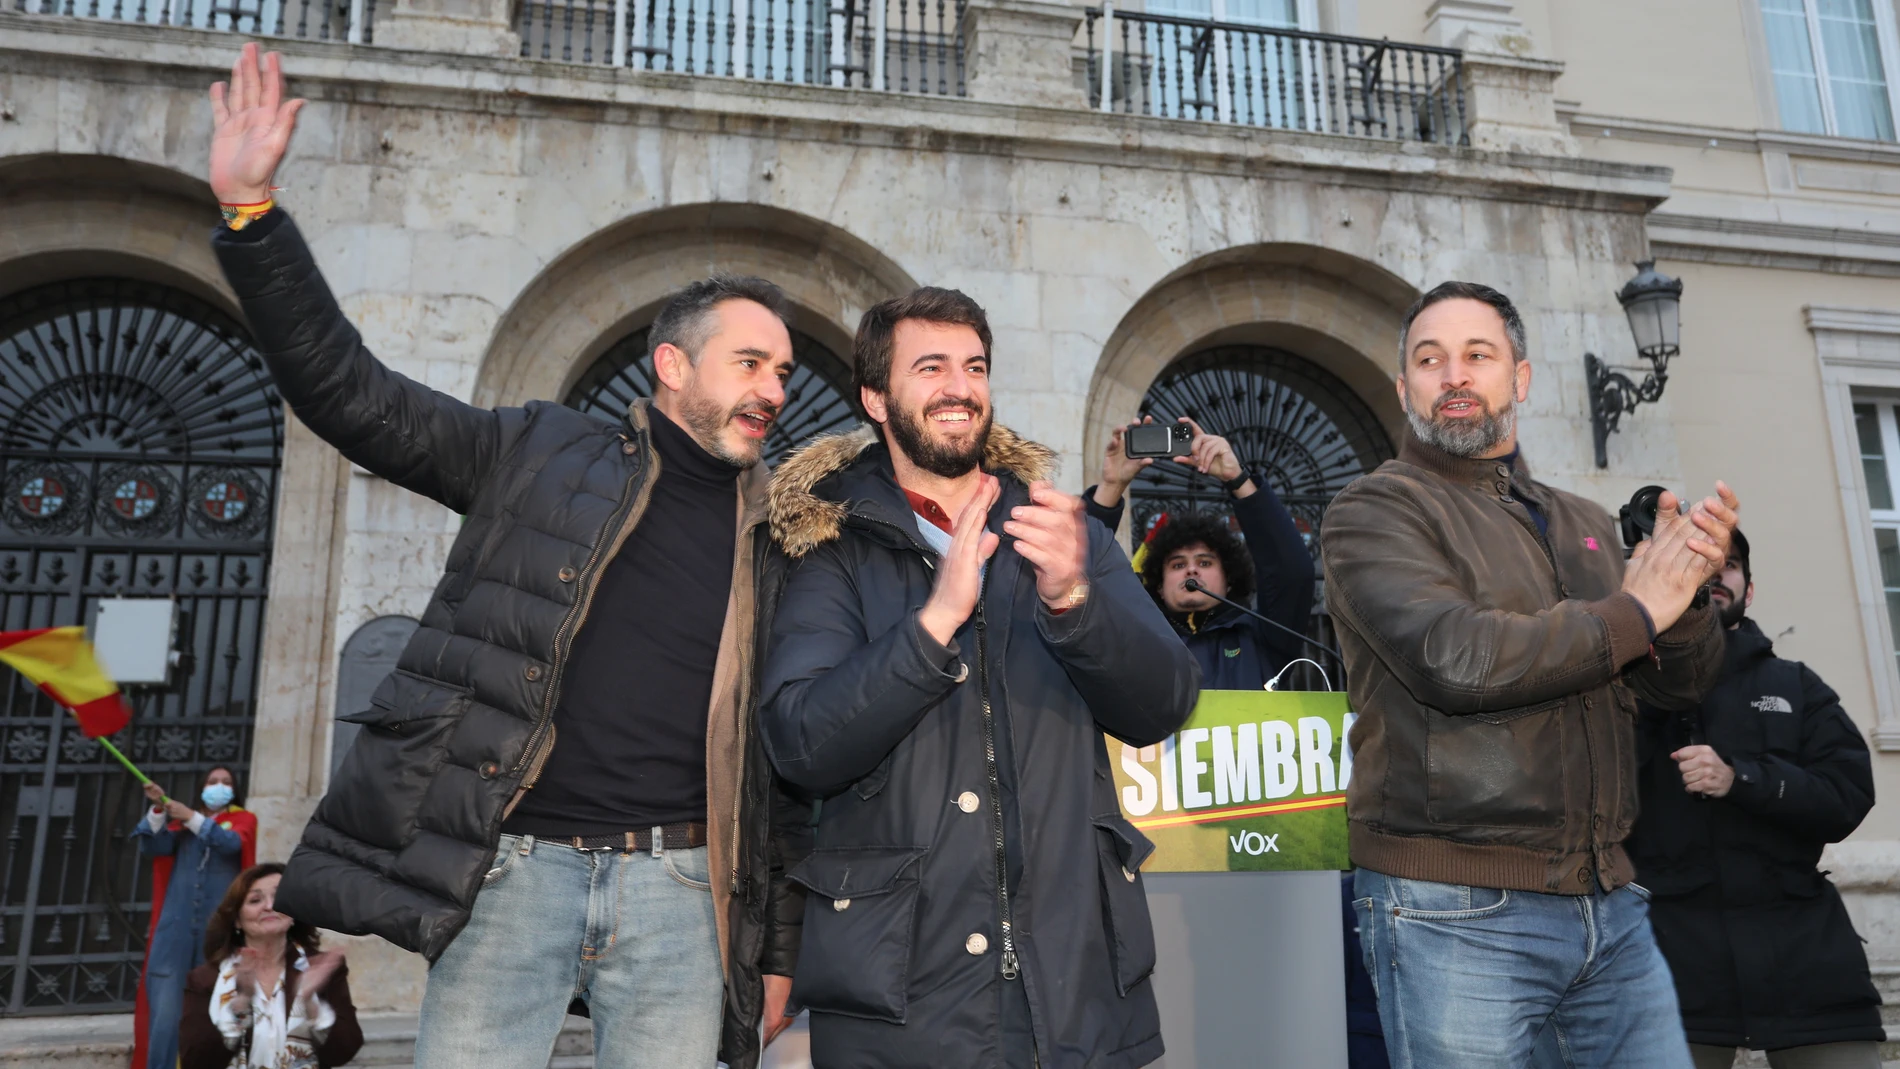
471, 27
1020, 52
1510, 92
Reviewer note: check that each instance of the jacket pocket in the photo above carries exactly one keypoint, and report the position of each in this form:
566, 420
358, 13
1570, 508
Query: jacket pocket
402, 702
1504, 772
860, 918
1120, 851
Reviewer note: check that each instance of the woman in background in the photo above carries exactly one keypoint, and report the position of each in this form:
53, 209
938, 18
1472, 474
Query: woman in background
196, 853
265, 997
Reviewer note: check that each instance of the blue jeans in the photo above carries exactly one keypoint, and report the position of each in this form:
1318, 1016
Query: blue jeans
630, 934
1476, 978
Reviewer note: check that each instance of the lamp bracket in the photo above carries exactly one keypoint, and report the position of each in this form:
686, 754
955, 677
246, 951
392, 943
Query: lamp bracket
1614, 394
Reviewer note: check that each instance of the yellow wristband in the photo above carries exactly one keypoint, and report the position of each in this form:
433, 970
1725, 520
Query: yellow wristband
239, 216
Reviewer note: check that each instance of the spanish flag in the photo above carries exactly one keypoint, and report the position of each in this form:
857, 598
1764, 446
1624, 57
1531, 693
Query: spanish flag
59, 660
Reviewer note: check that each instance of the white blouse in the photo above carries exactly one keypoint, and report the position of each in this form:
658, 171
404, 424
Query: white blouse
281, 1036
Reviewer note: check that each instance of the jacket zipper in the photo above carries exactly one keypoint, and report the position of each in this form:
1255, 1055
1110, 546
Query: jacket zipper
1010, 970
747, 685
577, 615
1011, 964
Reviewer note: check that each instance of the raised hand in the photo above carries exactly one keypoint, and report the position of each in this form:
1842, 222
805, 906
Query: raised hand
1119, 469
254, 124
154, 792
1210, 454
178, 811
960, 575
1052, 534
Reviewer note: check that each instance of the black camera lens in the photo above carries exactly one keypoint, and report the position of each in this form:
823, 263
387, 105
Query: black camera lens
1638, 518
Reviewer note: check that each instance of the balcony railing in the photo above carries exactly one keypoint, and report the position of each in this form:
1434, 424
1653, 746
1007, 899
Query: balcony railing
905, 46
1184, 68
324, 20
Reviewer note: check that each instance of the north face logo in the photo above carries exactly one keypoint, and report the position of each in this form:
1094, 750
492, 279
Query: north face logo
1771, 703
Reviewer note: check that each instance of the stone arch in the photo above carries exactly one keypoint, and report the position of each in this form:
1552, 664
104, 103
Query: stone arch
613, 282
1339, 311
68, 216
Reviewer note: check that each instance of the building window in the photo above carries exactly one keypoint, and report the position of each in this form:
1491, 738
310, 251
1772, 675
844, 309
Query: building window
1878, 431
1829, 59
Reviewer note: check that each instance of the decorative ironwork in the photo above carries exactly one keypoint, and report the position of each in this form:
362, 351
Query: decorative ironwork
1252, 75
227, 503
136, 499
1289, 420
898, 46
139, 443
815, 396
45, 498
323, 20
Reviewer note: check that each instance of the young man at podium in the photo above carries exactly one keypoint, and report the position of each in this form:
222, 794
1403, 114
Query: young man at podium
1495, 645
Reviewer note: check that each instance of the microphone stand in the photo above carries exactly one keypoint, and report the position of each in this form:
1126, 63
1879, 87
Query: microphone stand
1194, 586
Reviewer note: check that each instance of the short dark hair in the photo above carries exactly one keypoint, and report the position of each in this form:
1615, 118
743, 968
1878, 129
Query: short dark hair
871, 352
1471, 291
685, 321
224, 938
1738, 548
1211, 530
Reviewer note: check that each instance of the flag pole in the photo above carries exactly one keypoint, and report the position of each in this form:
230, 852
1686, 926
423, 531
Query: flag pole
129, 766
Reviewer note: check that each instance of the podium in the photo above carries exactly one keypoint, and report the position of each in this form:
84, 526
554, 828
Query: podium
1246, 805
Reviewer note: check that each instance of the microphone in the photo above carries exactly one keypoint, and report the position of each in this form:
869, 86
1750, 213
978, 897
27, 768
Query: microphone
1193, 586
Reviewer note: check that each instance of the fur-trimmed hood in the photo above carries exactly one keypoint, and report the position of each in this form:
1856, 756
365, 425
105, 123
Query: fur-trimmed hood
802, 520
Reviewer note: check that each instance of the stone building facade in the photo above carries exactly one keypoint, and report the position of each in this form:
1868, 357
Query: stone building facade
498, 225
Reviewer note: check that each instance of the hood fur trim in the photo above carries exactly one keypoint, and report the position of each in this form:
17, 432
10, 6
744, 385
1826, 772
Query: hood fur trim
802, 521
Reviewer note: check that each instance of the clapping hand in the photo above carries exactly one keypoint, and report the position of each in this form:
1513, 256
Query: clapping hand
254, 124
317, 972
1052, 534
960, 576
1666, 569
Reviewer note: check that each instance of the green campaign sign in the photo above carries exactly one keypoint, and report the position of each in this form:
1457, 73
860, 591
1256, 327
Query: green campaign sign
1255, 781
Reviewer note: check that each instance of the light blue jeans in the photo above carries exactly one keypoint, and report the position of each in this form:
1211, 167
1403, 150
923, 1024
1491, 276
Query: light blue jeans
631, 934
1477, 978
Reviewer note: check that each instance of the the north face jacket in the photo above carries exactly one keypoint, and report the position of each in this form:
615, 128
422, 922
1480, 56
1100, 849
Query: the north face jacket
1763, 952
908, 931
1495, 670
401, 840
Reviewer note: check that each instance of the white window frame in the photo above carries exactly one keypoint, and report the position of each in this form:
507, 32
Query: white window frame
1859, 352
1886, 35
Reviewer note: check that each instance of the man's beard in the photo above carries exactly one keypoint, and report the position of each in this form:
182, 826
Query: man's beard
1468, 437
943, 459
1732, 610
707, 423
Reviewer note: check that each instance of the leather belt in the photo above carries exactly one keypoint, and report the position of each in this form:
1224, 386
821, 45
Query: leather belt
684, 836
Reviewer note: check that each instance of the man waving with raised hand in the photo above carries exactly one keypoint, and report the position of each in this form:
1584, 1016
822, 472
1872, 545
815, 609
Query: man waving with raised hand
556, 797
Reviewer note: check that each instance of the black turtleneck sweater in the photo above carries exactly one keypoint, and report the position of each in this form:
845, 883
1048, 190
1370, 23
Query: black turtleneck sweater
630, 744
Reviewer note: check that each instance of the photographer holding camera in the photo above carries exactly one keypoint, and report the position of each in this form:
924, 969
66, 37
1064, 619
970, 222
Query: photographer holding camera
1738, 797
1274, 567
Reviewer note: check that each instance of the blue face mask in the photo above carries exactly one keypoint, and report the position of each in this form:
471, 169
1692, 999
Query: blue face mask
217, 795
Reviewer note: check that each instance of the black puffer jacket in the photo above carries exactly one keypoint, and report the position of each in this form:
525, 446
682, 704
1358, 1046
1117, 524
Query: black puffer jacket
905, 942
1762, 949
399, 844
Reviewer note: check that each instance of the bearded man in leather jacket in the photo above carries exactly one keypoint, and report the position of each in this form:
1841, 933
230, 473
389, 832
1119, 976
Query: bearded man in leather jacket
1495, 643
556, 797
1739, 797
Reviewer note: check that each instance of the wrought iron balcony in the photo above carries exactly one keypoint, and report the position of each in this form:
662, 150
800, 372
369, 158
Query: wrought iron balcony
1183, 68
323, 20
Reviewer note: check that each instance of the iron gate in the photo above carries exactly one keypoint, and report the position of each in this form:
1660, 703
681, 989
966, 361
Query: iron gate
815, 396
139, 445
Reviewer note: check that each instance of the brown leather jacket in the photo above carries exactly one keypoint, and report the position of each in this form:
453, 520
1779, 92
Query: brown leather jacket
1495, 673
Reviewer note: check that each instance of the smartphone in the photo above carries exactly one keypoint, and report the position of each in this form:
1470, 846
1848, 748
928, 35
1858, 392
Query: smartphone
1157, 440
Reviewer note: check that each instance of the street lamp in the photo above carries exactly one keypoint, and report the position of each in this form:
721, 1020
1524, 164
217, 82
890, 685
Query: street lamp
1653, 303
